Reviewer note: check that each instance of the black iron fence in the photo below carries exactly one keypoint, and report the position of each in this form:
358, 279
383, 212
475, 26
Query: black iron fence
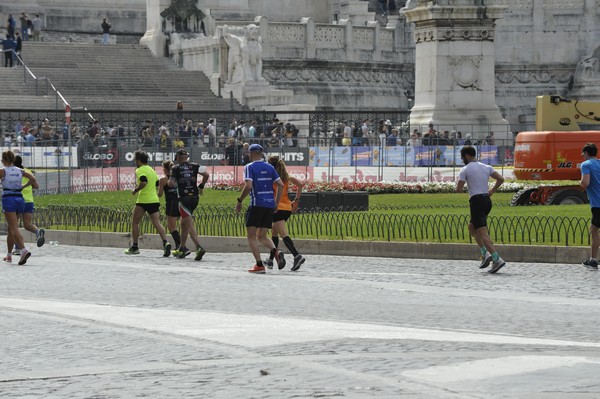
377, 224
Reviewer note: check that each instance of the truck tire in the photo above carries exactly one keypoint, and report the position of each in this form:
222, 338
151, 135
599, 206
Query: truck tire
567, 197
522, 197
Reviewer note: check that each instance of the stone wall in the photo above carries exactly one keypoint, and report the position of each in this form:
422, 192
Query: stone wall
79, 21
538, 45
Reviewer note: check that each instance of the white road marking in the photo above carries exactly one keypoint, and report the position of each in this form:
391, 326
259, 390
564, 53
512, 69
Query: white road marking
495, 367
254, 331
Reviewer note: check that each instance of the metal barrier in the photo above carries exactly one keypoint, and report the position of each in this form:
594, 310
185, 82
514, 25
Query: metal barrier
316, 144
375, 224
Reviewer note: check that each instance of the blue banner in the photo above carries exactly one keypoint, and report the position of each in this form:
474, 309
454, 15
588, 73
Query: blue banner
445, 155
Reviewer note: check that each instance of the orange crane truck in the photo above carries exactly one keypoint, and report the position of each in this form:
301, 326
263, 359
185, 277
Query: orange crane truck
553, 151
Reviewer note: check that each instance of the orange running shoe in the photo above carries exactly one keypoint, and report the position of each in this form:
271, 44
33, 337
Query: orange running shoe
257, 270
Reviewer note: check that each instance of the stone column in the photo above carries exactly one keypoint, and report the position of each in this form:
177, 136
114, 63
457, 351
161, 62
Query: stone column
454, 67
154, 38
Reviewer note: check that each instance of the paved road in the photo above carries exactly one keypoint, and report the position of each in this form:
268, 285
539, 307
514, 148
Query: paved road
81, 322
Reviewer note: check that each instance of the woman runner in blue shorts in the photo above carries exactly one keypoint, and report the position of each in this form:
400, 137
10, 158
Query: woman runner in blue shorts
13, 202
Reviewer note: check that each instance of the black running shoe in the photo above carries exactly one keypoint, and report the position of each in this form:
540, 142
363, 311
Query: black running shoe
200, 253
280, 259
40, 237
166, 249
181, 253
591, 264
298, 261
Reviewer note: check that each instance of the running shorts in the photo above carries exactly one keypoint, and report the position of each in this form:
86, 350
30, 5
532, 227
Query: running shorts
480, 205
258, 216
187, 205
150, 208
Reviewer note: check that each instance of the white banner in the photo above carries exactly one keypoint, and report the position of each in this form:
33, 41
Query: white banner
46, 157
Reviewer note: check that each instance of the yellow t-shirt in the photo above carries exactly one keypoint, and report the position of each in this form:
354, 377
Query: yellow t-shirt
148, 194
27, 191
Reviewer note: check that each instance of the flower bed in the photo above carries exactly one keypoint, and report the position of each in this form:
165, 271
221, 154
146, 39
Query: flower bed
384, 187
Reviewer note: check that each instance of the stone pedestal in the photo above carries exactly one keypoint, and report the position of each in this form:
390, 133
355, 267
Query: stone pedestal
454, 69
355, 10
259, 95
154, 38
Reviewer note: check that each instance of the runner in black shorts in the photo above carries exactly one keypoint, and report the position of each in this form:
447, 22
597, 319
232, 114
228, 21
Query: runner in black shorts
476, 175
480, 206
146, 202
171, 202
259, 178
284, 211
184, 176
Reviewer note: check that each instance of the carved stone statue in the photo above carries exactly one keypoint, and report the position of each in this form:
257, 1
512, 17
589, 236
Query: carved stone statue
245, 55
588, 68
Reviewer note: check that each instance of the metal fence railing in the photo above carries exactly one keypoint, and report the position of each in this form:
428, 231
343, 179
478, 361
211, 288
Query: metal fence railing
373, 225
89, 156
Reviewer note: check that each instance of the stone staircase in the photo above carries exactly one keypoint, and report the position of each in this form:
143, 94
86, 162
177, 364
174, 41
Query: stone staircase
114, 77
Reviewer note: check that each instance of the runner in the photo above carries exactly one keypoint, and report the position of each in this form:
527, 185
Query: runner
476, 175
171, 203
184, 177
284, 211
147, 201
590, 180
259, 178
13, 202
28, 210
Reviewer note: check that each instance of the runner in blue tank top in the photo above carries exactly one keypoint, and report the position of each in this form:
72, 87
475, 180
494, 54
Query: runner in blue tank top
13, 202
259, 178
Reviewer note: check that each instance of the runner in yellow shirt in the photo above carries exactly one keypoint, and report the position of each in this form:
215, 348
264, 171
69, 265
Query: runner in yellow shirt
147, 201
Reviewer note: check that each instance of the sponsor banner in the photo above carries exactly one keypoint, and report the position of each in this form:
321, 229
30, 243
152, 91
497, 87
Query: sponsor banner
374, 174
396, 156
488, 154
103, 179
99, 157
111, 179
209, 157
45, 157
292, 156
399, 156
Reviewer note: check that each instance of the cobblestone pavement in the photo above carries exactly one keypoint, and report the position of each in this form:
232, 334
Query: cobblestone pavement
81, 322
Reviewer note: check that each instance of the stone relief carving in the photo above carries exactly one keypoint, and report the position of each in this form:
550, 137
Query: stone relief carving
362, 36
532, 77
337, 76
515, 4
286, 33
465, 71
329, 35
562, 4
587, 70
454, 35
386, 39
244, 62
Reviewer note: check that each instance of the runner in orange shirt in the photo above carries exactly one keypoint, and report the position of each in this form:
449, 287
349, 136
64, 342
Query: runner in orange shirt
284, 211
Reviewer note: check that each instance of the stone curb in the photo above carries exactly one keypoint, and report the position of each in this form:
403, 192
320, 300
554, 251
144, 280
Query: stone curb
511, 253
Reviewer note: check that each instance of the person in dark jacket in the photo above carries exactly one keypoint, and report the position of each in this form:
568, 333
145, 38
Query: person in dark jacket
18, 48
105, 31
8, 45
